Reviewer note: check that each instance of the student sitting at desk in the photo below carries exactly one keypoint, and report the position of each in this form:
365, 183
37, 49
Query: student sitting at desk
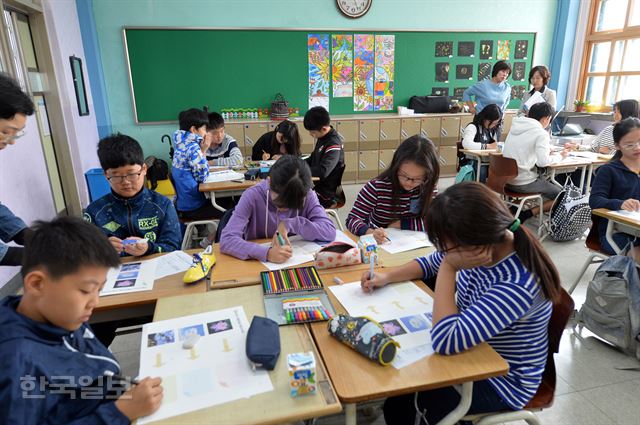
283, 203
617, 185
494, 283
54, 369
15, 106
399, 197
482, 133
138, 221
327, 159
528, 144
223, 149
621, 110
283, 140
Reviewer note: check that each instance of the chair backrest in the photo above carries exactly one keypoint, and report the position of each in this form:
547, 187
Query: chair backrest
593, 238
459, 154
501, 170
341, 198
223, 223
562, 311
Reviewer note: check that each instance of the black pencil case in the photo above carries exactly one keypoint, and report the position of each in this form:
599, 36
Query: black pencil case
263, 342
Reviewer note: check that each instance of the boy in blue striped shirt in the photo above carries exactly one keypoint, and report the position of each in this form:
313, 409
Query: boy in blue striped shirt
495, 283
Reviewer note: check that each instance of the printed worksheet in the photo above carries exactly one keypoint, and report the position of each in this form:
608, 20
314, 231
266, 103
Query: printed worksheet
404, 240
214, 371
403, 310
633, 215
172, 263
223, 176
130, 277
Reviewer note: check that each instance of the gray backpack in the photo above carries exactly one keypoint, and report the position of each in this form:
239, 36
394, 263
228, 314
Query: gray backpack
612, 308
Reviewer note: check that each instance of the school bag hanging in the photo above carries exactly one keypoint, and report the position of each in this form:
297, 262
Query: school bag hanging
612, 308
170, 145
467, 173
570, 215
279, 108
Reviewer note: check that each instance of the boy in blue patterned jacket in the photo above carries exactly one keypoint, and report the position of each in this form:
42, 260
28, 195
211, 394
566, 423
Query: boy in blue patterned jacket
137, 221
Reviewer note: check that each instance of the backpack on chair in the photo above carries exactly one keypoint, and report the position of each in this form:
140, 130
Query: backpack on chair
612, 308
157, 169
570, 215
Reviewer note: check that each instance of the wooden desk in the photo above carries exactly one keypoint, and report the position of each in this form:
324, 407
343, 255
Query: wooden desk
357, 379
393, 260
228, 188
273, 407
138, 304
617, 224
478, 155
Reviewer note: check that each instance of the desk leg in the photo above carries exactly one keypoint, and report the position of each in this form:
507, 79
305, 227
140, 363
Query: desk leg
582, 177
213, 202
590, 171
350, 414
552, 177
479, 169
462, 408
609, 235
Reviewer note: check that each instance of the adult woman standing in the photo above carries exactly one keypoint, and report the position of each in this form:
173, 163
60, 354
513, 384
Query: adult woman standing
494, 90
539, 77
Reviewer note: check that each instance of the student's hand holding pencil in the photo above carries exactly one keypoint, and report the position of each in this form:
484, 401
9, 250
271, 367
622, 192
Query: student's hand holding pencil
280, 250
265, 156
369, 281
380, 235
142, 399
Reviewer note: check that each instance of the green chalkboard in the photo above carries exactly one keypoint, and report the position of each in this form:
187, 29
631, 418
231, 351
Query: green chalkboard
175, 69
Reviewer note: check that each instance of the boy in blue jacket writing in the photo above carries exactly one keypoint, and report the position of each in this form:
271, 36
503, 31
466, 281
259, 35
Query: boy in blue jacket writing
137, 221
54, 369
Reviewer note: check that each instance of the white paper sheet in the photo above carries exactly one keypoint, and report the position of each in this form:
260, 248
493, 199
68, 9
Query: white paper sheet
633, 215
536, 97
130, 277
215, 371
403, 309
404, 240
304, 251
224, 176
172, 263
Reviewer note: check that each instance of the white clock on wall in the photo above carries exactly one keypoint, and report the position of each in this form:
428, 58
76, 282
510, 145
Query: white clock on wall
354, 8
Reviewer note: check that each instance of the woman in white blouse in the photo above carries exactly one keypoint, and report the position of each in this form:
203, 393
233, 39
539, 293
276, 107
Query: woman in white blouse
539, 77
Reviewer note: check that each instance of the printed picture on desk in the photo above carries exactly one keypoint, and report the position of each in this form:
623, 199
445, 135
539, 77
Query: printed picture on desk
518, 71
128, 275
442, 71
319, 69
393, 327
466, 48
129, 267
440, 91
342, 65
486, 49
416, 323
363, 72
219, 326
126, 283
484, 70
160, 338
521, 49
444, 49
458, 92
464, 72
517, 92
504, 49
187, 331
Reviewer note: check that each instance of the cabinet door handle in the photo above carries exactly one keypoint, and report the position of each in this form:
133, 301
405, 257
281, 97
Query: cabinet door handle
383, 135
423, 133
248, 140
382, 164
362, 165
442, 160
363, 136
444, 132
404, 134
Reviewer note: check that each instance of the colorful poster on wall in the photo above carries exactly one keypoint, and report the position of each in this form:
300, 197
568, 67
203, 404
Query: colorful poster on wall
319, 70
342, 65
384, 72
363, 72
504, 49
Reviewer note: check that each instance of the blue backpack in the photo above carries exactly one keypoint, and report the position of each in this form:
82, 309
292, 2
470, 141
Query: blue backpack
467, 173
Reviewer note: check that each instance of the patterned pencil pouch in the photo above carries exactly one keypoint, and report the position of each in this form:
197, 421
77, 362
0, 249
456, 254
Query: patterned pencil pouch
366, 336
337, 254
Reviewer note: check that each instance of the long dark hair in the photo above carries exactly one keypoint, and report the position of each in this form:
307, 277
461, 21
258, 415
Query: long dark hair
490, 113
627, 108
290, 178
470, 214
422, 152
620, 130
290, 136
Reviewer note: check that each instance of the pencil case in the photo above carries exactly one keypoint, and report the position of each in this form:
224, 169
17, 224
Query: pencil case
337, 254
263, 342
366, 336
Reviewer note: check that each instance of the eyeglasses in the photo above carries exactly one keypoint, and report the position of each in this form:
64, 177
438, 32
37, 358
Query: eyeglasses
131, 178
629, 146
14, 136
408, 179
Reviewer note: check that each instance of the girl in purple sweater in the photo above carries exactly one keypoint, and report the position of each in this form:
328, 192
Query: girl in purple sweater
283, 203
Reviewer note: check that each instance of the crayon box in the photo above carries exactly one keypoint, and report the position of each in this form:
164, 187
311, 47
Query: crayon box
368, 248
302, 373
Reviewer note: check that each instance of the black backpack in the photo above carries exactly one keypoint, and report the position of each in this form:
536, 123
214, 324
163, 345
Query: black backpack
570, 215
157, 169
429, 104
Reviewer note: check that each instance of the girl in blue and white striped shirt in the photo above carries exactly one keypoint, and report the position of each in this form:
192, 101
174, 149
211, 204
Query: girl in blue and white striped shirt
495, 283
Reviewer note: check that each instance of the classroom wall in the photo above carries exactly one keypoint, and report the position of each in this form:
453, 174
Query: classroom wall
82, 132
467, 15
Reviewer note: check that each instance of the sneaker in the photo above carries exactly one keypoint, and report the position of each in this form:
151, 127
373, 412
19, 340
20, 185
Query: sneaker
202, 263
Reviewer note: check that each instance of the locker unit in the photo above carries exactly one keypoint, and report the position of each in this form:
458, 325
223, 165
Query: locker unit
252, 132
430, 128
384, 159
351, 167
409, 127
367, 165
450, 131
389, 133
369, 133
349, 132
237, 132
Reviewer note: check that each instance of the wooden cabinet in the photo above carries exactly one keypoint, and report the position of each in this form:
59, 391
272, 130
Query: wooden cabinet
465, 120
409, 127
430, 128
506, 126
350, 167
307, 142
450, 131
389, 133
237, 132
252, 132
448, 160
367, 165
369, 131
384, 159
348, 129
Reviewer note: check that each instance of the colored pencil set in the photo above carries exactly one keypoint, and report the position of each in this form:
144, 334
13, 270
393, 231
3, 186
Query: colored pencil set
304, 309
287, 280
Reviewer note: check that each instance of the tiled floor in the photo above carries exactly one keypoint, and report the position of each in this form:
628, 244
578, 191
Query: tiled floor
591, 389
